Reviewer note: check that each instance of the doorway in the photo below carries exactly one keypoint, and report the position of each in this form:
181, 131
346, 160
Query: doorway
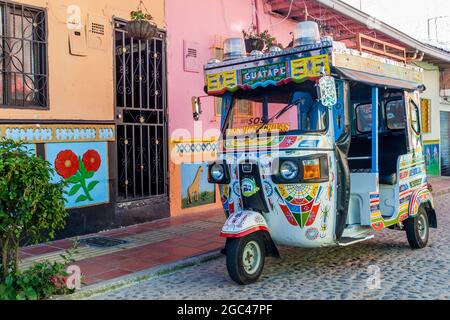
141, 116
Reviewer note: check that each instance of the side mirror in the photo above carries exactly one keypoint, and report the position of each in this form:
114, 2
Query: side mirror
328, 92
196, 108
421, 88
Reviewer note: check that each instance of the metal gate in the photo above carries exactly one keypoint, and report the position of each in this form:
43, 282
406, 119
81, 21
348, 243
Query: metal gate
141, 126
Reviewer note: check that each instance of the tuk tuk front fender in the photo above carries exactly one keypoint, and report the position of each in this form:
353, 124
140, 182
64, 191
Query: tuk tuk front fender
243, 223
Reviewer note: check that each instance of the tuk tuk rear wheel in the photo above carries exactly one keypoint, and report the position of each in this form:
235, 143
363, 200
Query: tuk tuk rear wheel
245, 258
418, 230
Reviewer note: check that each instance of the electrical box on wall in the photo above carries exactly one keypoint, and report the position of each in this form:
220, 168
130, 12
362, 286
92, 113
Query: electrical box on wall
77, 42
96, 32
191, 61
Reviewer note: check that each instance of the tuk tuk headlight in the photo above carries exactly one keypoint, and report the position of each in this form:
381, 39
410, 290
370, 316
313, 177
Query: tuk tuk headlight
217, 172
289, 170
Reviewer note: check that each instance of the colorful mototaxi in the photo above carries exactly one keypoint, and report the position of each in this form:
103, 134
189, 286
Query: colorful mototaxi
332, 154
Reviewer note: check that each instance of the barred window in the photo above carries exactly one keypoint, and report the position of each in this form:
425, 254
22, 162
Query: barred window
425, 107
243, 108
23, 56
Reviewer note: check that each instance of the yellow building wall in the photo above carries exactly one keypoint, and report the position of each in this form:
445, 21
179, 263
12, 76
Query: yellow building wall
80, 87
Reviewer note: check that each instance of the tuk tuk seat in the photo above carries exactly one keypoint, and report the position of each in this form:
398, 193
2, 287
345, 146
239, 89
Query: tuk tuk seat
389, 179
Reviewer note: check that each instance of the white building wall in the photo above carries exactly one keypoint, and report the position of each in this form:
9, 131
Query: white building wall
438, 104
432, 83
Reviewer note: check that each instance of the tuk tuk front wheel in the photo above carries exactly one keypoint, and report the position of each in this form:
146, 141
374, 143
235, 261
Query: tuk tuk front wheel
418, 230
245, 258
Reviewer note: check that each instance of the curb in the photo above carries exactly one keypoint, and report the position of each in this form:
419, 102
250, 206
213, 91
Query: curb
128, 280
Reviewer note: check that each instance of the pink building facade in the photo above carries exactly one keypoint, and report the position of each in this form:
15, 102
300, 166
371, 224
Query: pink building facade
195, 32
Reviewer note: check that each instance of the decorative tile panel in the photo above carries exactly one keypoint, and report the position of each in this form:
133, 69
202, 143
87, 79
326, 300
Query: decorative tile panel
57, 133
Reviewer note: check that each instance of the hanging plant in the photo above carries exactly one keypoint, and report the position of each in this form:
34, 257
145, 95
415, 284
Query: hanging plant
141, 26
252, 40
257, 41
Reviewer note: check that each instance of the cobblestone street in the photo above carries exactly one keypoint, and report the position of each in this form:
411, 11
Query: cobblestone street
329, 273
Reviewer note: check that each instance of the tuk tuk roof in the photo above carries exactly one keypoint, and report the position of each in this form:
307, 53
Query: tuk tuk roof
309, 63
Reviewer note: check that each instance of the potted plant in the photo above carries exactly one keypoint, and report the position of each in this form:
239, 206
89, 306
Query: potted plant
269, 40
141, 27
252, 40
257, 41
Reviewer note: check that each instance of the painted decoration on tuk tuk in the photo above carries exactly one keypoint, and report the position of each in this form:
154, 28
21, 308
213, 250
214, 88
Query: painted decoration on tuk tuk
195, 188
224, 192
262, 128
243, 223
412, 181
263, 74
249, 187
217, 82
276, 142
84, 166
375, 214
324, 215
432, 158
312, 234
328, 91
260, 142
311, 67
302, 201
419, 197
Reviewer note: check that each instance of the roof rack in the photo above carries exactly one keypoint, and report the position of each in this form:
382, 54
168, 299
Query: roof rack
365, 43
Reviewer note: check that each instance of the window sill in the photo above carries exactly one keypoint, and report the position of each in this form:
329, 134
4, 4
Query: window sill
39, 108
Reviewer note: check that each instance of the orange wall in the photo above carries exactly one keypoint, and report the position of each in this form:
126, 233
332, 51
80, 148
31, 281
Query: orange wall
81, 88
175, 175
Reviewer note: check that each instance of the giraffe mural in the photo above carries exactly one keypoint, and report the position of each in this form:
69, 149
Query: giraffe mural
193, 190
196, 190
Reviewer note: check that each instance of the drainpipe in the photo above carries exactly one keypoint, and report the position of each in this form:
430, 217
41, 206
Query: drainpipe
416, 57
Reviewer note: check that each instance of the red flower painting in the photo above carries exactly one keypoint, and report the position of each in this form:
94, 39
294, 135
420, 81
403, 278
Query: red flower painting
92, 160
67, 164
77, 171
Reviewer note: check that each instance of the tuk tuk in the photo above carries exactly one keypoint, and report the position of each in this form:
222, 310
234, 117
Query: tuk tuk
332, 153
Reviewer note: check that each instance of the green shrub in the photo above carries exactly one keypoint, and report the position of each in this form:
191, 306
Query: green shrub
32, 207
42, 280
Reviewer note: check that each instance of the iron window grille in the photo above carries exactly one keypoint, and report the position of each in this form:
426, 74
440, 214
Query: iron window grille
23, 56
140, 99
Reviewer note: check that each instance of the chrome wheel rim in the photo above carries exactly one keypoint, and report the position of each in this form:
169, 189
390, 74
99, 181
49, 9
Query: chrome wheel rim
251, 257
422, 227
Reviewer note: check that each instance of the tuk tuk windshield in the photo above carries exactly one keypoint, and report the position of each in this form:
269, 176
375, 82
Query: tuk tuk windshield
297, 112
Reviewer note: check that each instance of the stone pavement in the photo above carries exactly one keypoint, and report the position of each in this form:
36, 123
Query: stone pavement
152, 245
148, 245
328, 273
440, 185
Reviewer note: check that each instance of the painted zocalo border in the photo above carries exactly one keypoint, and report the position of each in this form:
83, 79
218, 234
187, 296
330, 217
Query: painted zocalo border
43, 133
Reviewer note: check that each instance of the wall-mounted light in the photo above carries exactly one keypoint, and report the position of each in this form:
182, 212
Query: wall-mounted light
196, 108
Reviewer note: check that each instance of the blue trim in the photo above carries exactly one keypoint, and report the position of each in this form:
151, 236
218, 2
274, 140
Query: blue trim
226, 103
338, 110
375, 130
265, 84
